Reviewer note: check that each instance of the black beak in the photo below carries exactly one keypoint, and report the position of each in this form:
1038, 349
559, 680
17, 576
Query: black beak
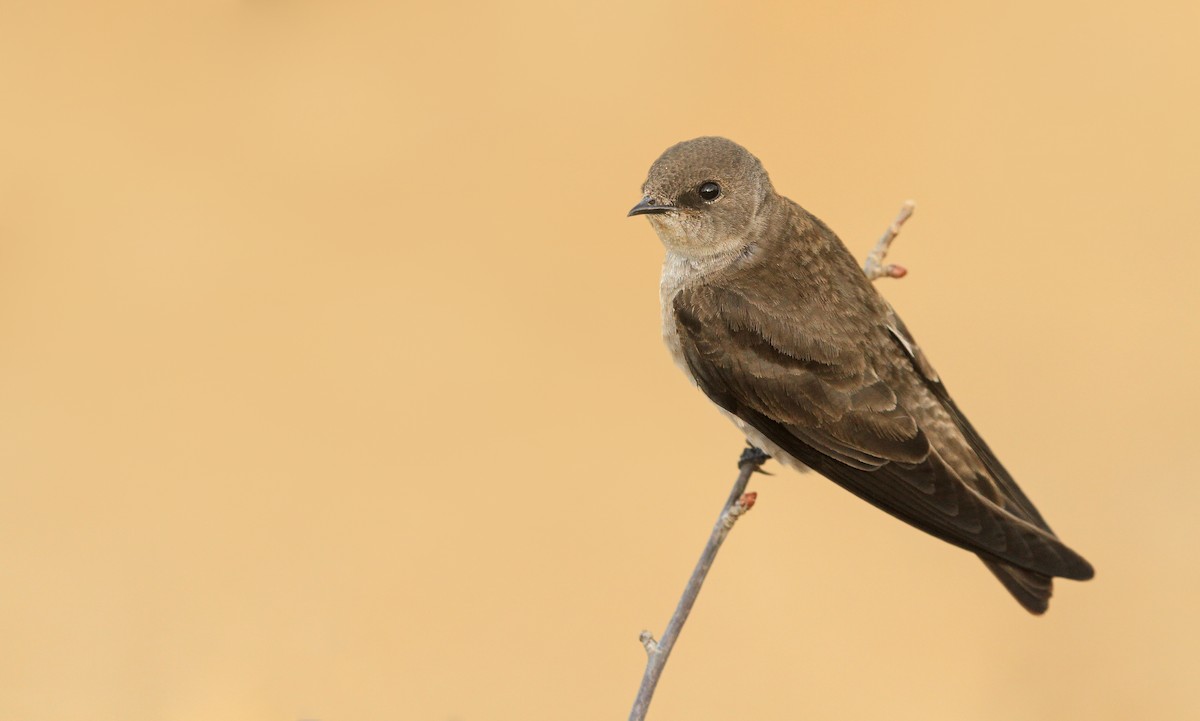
648, 206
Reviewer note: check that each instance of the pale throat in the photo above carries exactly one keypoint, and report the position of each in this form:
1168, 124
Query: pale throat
697, 244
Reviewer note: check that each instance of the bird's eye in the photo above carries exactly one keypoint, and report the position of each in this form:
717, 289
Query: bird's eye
710, 191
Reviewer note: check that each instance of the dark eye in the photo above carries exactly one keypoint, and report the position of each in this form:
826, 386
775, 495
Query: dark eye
710, 191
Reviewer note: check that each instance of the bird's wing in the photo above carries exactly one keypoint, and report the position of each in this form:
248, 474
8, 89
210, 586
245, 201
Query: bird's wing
823, 401
1009, 494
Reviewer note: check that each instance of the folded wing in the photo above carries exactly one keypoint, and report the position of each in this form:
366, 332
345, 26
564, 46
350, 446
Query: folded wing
843, 413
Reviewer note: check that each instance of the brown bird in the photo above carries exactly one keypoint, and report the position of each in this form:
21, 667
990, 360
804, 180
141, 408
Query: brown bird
768, 313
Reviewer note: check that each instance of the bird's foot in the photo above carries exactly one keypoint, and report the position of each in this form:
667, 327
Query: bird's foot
754, 456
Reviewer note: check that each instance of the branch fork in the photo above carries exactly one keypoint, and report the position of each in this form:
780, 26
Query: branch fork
874, 267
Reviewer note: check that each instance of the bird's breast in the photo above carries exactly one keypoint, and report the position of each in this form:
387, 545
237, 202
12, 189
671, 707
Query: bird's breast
676, 273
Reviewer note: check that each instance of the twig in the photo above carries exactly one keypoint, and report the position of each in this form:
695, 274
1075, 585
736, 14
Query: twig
737, 504
874, 267
657, 651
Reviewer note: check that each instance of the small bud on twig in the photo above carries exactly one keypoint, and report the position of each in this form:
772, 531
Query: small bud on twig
874, 267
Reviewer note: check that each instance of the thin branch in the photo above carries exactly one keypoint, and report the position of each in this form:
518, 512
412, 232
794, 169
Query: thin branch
737, 504
657, 651
874, 267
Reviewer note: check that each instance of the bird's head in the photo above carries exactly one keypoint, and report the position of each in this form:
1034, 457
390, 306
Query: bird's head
704, 196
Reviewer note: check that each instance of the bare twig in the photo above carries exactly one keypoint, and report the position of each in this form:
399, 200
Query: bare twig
874, 267
737, 504
657, 651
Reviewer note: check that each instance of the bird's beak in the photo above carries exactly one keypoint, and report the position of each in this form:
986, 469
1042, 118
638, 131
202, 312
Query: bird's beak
648, 206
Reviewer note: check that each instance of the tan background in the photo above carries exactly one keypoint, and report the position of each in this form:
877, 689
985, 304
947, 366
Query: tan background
331, 385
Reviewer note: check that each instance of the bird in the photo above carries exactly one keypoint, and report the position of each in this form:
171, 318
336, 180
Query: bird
769, 314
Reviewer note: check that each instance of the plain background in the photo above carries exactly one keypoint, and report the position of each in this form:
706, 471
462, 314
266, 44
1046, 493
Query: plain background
331, 384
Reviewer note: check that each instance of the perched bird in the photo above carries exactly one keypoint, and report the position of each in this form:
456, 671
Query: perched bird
768, 313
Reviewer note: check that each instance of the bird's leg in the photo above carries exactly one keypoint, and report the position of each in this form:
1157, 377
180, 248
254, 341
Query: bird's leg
755, 456
874, 267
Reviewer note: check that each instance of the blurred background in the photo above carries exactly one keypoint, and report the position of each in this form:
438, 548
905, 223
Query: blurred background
331, 384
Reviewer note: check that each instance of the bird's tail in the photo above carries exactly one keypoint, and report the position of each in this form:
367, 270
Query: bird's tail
1032, 590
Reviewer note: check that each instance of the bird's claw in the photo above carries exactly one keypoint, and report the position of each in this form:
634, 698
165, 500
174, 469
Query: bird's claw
755, 456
